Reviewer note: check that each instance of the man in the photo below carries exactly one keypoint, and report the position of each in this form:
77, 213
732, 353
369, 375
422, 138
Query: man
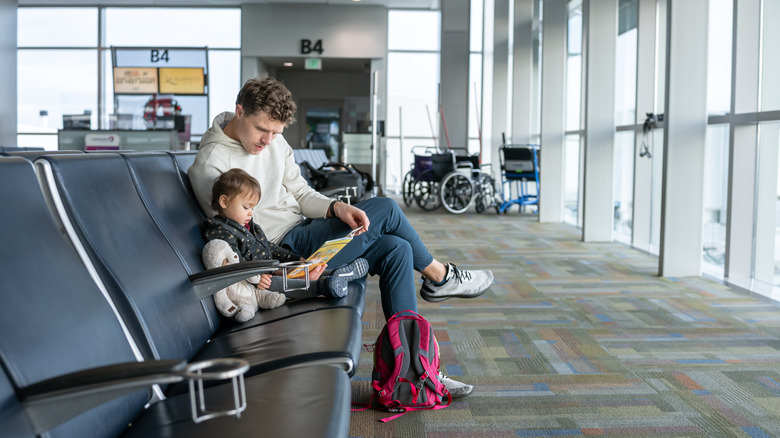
294, 215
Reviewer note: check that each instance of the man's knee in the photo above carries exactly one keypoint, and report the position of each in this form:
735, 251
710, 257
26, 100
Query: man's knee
392, 252
379, 205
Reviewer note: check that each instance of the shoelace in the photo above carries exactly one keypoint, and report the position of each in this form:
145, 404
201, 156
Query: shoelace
461, 275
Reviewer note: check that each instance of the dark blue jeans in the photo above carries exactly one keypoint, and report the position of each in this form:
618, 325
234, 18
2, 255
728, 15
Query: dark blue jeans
391, 246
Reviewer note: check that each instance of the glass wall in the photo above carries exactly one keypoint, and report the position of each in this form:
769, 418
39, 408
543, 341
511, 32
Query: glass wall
412, 84
572, 152
571, 185
625, 64
623, 185
719, 57
67, 41
716, 161
475, 79
574, 68
767, 224
657, 155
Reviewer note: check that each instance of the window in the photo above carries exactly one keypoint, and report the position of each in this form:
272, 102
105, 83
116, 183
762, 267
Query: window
719, 58
716, 164
52, 83
61, 62
571, 189
160, 27
574, 70
57, 27
623, 185
412, 86
413, 30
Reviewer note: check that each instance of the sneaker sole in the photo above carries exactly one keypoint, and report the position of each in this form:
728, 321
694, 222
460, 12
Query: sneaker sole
462, 394
434, 299
345, 274
352, 271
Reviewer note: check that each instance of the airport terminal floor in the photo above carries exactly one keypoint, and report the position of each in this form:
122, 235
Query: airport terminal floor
582, 338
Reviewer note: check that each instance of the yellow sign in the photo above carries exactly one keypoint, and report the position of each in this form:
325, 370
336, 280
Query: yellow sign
176, 80
135, 80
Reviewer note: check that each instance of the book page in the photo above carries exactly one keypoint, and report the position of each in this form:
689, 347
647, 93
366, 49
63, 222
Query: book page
324, 253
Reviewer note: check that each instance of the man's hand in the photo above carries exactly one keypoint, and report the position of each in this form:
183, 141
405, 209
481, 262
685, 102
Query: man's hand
265, 282
352, 216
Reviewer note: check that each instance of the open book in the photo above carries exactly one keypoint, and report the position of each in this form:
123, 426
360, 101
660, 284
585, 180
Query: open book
324, 253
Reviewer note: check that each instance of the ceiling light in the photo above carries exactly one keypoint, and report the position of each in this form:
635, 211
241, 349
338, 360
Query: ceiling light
288, 64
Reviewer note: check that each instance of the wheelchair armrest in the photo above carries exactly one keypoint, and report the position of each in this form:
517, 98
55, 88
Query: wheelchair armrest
56, 400
211, 281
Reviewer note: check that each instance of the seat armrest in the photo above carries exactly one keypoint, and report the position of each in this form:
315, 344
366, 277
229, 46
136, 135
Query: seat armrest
52, 402
56, 400
211, 281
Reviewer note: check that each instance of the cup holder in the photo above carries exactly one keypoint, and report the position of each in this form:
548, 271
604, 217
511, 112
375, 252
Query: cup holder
304, 265
216, 369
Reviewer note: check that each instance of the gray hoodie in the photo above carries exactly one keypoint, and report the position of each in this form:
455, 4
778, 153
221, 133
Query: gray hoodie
285, 195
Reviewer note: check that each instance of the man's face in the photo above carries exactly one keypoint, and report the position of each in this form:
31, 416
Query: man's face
255, 131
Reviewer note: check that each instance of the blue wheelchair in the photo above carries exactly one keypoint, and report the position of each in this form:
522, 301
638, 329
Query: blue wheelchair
519, 175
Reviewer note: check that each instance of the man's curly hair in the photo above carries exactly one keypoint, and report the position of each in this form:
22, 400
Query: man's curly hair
267, 94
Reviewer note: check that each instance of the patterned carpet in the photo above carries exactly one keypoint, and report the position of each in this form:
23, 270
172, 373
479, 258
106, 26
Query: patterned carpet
579, 339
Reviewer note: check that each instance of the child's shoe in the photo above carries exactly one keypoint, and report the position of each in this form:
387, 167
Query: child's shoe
340, 277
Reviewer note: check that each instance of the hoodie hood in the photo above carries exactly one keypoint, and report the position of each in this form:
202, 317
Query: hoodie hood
215, 134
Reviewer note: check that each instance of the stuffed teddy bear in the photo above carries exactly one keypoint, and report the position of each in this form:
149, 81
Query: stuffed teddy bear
241, 299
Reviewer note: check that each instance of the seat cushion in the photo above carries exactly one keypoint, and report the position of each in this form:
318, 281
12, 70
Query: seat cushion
310, 401
355, 300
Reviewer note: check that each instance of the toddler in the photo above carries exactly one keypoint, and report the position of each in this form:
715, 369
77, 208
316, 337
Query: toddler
234, 196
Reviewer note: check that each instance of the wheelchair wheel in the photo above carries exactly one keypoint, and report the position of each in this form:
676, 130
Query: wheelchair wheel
486, 193
457, 192
426, 192
408, 189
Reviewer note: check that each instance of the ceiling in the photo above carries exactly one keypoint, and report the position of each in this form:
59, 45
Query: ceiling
401, 4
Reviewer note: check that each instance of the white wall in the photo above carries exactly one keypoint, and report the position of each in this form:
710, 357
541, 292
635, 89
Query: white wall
275, 30
346, 31
8, 75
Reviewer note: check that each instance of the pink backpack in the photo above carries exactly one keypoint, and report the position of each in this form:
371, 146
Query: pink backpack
406, 367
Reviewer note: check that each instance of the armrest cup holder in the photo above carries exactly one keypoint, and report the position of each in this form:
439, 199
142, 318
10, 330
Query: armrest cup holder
216, 369
295, 265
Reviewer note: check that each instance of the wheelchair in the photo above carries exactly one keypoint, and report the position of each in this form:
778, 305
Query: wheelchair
519, 168
447, 179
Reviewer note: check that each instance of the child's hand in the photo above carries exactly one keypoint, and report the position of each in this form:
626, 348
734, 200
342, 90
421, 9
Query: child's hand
316, 271
265, 282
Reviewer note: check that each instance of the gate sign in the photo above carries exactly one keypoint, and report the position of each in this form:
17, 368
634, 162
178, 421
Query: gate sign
129, 80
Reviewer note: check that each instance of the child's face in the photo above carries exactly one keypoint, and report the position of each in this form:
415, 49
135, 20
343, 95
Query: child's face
239, 207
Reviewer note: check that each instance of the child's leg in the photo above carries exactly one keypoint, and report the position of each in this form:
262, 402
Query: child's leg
333, 285
294, 283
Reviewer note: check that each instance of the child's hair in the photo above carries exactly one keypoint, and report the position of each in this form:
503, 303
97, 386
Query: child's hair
231, 183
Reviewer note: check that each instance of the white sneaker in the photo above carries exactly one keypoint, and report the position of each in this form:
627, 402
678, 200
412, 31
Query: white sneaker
458, 283
456, 389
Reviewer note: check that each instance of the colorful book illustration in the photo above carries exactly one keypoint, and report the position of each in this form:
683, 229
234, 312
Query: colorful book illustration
324, 253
